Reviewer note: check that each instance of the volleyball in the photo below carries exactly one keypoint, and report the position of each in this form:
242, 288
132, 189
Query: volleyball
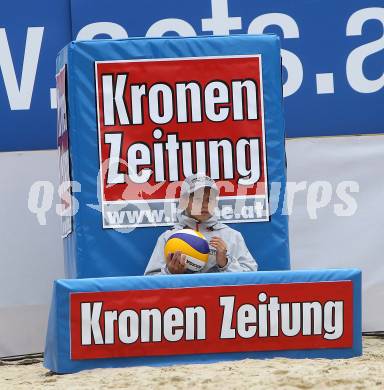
190, 243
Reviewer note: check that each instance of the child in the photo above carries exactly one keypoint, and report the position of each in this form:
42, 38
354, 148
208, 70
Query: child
228, 251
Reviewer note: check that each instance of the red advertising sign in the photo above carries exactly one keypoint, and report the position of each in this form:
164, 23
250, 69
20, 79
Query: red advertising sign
215, 319
162, 120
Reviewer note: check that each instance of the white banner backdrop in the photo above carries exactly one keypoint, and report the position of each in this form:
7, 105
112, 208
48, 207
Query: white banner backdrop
31, 255
321, 238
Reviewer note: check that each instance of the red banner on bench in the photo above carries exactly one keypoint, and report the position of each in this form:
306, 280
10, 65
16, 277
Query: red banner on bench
215, 319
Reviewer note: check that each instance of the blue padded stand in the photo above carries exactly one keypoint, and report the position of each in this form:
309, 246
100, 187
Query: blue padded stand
57, 352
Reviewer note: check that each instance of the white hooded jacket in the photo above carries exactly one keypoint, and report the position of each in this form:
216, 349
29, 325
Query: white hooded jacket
238, 256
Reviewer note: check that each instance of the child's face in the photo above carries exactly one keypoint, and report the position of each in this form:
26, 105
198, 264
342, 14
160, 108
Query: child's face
201, 204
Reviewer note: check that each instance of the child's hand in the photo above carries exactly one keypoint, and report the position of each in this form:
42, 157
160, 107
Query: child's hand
176, 263
221, 251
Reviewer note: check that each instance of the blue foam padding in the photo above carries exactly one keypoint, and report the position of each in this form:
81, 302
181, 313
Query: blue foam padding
57, 351
91, 251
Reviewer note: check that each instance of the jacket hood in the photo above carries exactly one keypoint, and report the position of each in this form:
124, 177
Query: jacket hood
186, 221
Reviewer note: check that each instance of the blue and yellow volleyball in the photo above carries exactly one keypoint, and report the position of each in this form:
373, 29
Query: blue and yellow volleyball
190, 243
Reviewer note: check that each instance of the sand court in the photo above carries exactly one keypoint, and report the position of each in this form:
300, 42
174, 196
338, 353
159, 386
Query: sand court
365, 372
